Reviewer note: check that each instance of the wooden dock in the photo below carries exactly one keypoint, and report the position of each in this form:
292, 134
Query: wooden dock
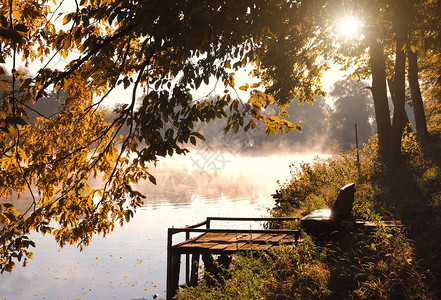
222, 242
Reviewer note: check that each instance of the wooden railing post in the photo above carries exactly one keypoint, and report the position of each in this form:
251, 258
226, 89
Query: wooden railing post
194, 269
169, 263
187, 261
173, 266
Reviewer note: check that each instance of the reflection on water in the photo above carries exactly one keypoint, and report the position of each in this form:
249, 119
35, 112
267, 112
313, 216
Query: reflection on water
179, 188
131, 261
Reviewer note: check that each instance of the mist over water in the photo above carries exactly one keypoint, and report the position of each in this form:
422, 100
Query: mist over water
130, 263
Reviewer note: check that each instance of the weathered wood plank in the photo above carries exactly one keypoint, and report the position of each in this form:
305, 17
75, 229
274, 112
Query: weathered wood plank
276, 238
237, 242
205, 245
212, 236
249, 246
288, 239
235, 246
264, 247
262, 237
220, 246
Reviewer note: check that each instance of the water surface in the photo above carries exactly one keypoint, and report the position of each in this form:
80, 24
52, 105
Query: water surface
130, 263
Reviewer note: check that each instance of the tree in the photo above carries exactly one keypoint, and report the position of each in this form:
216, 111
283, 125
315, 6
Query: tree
424, 65
390, 28
352, 105
161, 48
415, 90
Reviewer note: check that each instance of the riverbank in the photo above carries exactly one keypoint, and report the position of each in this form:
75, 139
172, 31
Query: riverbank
391, 263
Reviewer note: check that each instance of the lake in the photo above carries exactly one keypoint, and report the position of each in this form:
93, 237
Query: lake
130, 263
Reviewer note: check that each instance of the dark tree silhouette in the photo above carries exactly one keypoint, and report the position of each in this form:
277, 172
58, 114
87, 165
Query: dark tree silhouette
353, 105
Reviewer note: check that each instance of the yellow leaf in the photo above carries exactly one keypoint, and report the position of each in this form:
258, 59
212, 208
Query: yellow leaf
244, 87
253, 124
236, 127
273, 130
12, 131
66, 19
4, 86
17, 14
228, 64
63, 54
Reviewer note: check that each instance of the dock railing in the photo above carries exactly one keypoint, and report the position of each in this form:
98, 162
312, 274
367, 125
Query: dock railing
173, 258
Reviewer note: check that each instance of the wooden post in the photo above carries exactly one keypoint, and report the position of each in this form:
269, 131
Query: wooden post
187, 261
173, 267
169, 268
356, 145
174, 278
194, 269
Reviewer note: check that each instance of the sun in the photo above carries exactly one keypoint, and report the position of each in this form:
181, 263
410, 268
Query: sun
349, 27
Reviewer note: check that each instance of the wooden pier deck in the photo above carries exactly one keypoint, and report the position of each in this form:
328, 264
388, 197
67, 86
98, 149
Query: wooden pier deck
229, 242
223, 242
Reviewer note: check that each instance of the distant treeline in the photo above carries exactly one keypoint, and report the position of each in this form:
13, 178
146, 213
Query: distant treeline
327, 124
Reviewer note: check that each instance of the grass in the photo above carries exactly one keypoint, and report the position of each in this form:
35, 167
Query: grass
387, 264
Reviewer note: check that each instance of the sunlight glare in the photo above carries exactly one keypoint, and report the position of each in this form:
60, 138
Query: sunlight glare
349, 26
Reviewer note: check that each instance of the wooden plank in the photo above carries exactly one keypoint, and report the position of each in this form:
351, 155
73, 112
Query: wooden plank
262, 237
242, 237
187, 241
276, 238
204, 245
288, 239
258, 237
264, 247
213, 236
235, 246
237, 241
220, 246
249, 246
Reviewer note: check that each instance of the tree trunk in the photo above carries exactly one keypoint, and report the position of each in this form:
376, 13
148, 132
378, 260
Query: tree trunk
415, 91
400, 22
399, 117
391, 85
379, 94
